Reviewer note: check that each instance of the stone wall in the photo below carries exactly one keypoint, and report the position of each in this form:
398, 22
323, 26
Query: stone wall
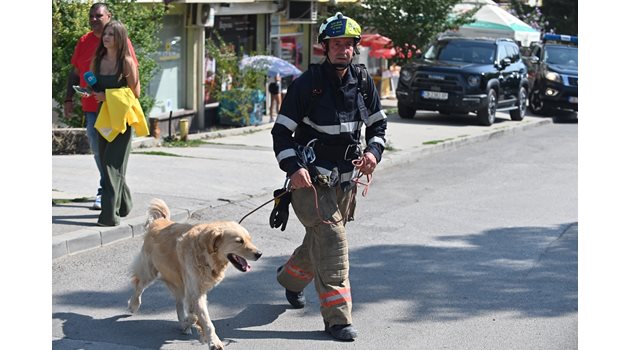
70, 141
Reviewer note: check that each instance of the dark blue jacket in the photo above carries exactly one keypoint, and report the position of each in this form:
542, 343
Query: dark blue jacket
338, 115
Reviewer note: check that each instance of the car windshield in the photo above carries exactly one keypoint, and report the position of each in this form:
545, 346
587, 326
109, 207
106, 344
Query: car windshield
564, 55
462, 51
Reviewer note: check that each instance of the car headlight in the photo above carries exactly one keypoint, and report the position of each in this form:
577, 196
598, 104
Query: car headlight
405, 75
553, 76
473, 80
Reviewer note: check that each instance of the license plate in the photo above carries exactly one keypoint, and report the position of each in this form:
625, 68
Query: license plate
573, 99
435, 95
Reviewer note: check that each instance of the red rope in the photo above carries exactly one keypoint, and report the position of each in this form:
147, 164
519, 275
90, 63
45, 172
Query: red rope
358, 163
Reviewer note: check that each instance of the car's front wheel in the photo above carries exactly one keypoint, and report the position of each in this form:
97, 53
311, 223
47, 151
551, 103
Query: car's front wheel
405, 112
536, 103
487, 114
519, 113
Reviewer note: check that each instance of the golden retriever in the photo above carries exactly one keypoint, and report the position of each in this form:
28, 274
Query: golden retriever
190, 259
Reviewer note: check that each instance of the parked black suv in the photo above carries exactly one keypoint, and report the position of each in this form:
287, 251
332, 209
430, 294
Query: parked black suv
553, 74
462, 75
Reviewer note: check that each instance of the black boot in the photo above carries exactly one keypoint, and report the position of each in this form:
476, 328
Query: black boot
343, 332
296, 299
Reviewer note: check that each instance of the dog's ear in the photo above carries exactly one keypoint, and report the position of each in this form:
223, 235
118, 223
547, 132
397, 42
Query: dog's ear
211, 238
217, 241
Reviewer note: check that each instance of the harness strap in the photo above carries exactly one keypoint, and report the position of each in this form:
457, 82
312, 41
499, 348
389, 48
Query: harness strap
337, 152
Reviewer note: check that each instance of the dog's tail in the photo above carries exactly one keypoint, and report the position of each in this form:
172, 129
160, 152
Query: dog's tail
157, 210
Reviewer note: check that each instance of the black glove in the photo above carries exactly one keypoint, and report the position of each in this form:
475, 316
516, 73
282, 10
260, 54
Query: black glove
280, 213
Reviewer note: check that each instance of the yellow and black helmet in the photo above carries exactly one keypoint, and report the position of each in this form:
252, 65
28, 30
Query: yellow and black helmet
339, 26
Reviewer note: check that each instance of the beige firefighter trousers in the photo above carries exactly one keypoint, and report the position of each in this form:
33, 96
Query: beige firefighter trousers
323, 255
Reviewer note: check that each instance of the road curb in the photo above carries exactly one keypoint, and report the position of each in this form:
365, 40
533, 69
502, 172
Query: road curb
405, 157
95, 237
148, 141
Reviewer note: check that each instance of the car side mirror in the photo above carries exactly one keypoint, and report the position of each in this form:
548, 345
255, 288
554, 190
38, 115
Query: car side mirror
505, 62
534, 60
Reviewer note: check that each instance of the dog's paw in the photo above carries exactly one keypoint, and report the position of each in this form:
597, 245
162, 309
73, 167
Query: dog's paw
216, 345
189, 322
133, 305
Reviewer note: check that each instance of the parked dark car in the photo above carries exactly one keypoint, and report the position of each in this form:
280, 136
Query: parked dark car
553, 74
463, 75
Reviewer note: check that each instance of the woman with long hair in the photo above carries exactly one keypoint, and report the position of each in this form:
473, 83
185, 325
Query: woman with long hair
114, 68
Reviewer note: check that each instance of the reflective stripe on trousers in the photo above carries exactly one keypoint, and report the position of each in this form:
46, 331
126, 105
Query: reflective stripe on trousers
323, 254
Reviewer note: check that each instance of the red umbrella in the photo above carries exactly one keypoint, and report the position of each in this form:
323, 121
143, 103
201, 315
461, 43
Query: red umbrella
386, 53
375, 41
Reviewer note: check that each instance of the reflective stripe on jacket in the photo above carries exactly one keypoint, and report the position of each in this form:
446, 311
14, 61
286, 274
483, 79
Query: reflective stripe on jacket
337, 117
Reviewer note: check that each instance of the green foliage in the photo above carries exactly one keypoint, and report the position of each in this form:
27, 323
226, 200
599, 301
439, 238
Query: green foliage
562, 15
555, 16
411, 25
243, 84
181, 143
533, 16
70, 22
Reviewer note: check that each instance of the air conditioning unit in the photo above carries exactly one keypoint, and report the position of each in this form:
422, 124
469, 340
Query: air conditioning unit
201, 15
302, 12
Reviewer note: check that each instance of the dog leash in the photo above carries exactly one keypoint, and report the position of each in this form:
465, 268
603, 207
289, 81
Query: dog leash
310, 157
262, 205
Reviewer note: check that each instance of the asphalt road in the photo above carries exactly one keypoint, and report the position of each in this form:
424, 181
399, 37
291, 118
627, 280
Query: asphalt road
474, 248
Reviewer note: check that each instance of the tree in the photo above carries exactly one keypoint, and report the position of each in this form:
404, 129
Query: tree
562, 15
70, 22
411, 25
555, 16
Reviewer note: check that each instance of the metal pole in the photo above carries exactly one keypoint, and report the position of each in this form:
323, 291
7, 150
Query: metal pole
201, 75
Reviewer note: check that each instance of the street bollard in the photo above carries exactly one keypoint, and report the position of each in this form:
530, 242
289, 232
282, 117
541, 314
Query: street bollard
183, 129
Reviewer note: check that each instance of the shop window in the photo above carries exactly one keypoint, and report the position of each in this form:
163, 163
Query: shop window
239, 31
167, 86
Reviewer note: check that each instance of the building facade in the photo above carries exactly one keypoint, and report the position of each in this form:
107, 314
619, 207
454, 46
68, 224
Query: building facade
282, 28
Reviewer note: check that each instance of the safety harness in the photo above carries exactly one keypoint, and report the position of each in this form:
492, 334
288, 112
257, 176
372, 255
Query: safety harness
336, 152
307, 154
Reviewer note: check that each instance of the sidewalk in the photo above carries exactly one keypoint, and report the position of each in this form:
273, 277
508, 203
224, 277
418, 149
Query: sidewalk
232, 166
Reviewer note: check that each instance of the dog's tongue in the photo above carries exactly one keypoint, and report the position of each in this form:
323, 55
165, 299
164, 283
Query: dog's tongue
244, 264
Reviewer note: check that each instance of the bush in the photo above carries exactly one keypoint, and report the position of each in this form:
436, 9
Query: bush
243, 87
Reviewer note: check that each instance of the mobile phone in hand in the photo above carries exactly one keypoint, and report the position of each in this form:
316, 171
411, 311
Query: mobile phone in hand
81, 90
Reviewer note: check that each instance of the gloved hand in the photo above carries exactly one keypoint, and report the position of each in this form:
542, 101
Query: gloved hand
280, 213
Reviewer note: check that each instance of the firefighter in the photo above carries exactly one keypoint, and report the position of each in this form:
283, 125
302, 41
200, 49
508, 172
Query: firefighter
317, 142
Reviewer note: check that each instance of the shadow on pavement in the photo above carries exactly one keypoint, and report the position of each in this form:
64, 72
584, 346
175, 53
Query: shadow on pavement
487, 273
76, 220
531, 271
145, 334
153, 334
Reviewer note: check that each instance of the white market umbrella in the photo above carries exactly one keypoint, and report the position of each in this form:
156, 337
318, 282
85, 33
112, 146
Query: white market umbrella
271, 65
493, 21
